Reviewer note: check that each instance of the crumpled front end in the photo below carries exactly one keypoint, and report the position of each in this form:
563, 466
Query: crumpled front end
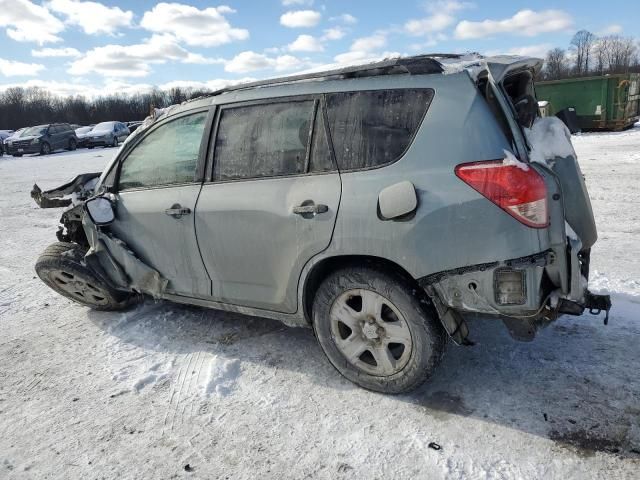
108, 257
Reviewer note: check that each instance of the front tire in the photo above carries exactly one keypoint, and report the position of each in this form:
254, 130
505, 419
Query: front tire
72, 145
375, 332
45, 149
61, 267
115, 142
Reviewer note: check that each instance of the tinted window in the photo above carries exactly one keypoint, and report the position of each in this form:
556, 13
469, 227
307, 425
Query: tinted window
53, 129
167, 155
263, 140
374, 127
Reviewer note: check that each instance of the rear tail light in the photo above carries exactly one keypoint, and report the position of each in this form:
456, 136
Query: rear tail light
515, 187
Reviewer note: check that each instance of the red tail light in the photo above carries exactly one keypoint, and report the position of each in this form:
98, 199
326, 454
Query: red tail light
516, 188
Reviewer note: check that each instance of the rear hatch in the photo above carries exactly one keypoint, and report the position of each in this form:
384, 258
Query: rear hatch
544, 141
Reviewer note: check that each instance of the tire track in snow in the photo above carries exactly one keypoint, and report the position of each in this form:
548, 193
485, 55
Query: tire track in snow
184, 372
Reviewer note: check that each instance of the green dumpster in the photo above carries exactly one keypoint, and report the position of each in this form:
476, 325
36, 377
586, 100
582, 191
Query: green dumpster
609, 102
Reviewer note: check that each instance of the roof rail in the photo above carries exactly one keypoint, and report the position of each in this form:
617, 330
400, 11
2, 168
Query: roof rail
416, 65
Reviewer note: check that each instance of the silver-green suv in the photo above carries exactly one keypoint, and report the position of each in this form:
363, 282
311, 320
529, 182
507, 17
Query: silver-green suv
379, 204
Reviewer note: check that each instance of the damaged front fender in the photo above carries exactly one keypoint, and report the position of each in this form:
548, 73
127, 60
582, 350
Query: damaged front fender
112, 258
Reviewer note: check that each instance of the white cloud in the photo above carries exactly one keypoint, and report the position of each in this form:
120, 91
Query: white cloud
335, 33
345, 18
539, 51
431, 24
288, 3
370, 43
9, 68
613, 29
441, 16
365, 49
251, 61
213, 85
206, 28
56, 52
300, 18
27, 22
306, 43
92, 17
135, 60
526, 23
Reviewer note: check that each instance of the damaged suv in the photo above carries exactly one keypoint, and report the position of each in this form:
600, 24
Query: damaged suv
380, 204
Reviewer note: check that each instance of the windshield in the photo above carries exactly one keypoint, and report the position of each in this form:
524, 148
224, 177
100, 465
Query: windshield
32, 131
103, 127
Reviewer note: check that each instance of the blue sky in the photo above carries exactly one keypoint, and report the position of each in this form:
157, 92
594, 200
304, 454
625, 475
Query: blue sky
82, 47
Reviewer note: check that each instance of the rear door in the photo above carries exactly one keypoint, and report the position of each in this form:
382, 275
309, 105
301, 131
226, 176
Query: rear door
271, 204
157, 188
54, 137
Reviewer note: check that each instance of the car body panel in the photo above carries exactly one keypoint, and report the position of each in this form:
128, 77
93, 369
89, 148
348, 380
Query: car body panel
165, 243
258, 256
252, 243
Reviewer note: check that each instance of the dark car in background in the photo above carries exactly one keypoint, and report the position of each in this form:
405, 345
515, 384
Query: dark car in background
4, 134
82, 134
107, 134
42, 139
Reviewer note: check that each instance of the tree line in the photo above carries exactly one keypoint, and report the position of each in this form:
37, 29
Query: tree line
589, 54
22, 107
586, 55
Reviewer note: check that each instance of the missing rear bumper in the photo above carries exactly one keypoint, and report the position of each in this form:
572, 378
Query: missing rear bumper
595, 303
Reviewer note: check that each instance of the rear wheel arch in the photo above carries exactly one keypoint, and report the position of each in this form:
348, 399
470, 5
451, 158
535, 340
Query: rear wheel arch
327, 266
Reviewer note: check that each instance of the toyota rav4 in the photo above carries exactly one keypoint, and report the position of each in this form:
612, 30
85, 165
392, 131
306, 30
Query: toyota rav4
380, 204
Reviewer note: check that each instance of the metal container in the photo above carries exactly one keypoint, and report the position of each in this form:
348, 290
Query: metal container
609, 102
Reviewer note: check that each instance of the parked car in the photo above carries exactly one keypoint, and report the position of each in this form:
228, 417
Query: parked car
133, 126
4, 134
107, 134
42, 139
82, 134
380, 205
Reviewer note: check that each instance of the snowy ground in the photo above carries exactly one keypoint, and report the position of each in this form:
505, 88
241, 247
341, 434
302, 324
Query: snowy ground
145, 393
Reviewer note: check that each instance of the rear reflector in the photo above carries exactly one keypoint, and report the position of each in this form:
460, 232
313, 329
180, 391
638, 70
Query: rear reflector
516, 188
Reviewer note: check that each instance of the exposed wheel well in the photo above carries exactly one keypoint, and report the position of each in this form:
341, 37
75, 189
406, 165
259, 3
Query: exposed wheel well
325, 267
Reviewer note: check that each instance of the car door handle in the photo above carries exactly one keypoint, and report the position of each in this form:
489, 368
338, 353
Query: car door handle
177, 211
310, 209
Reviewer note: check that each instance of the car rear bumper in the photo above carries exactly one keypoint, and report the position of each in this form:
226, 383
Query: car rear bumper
98, 142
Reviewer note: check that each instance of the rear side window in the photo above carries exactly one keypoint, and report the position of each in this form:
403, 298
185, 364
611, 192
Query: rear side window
263, 140
373, 128
167, 155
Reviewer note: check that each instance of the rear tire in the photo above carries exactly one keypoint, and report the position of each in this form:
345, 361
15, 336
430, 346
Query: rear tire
375, 332
61, 267
16, 155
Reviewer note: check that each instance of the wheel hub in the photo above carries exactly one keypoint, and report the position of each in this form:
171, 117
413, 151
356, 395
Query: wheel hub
371, 332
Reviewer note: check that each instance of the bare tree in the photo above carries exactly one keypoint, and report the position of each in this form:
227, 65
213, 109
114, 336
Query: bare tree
582, 45
615, 54
556, 64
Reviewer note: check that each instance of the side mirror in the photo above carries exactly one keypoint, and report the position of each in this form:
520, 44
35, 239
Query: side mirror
100, 210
